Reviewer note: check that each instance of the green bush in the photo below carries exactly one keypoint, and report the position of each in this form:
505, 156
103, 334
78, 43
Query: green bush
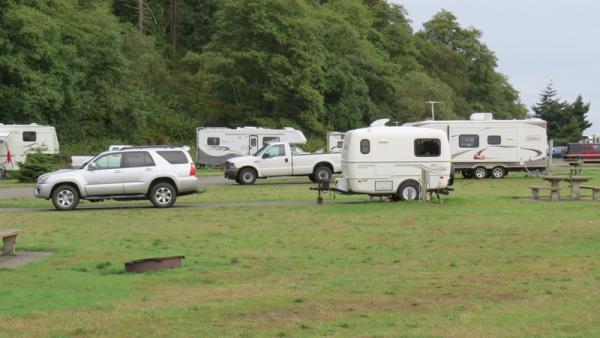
35, 164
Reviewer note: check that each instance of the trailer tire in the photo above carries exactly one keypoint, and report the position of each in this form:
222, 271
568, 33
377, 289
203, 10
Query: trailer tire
467, 173
247, 176
409, 190
498, 172
480, 173
322, 174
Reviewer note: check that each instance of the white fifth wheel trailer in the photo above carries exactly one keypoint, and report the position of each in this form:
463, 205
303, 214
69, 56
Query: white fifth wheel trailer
392, 161
482, 147
216, 145
335, 141
16, 140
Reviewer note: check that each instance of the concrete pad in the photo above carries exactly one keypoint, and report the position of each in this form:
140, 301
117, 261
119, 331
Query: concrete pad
21, 258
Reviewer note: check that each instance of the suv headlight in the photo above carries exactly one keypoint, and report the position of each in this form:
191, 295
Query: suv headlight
42, 179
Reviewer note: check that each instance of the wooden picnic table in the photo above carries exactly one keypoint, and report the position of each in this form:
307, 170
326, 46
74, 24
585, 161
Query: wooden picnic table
574, 181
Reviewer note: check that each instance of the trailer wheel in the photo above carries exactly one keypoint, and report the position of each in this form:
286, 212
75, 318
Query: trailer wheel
247, 176
322, 174
480, 173
498, 172
409, 191
467, 173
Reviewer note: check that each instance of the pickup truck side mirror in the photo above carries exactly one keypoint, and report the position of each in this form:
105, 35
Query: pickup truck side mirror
266, 155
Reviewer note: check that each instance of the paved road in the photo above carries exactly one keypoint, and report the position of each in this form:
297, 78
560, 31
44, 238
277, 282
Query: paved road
25, 192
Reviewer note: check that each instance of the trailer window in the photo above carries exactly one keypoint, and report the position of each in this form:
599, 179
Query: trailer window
269, 139
213, 141
427, 147
468, 141
365, 146
494, 140
29, 136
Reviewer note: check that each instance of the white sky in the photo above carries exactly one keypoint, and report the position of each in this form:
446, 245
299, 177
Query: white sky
535, 41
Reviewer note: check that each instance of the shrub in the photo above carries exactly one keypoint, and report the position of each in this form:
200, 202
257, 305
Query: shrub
35, 164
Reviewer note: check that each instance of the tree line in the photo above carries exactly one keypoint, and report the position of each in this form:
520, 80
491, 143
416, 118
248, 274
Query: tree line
132, 71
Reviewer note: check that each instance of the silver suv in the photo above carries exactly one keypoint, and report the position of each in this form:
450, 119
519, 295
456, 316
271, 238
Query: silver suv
156, 173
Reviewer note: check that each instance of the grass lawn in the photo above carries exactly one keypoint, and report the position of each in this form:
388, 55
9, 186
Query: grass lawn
488, 261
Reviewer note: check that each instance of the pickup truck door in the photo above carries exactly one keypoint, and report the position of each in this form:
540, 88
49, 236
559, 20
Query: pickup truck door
276, 161
103, 176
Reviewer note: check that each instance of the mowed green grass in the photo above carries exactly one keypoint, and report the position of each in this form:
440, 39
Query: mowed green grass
487, 261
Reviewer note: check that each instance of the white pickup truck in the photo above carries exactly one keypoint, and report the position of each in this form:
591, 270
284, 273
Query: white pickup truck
283, 159
79, 161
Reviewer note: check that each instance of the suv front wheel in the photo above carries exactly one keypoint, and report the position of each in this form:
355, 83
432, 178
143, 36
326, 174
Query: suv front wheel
163, 195
65, 197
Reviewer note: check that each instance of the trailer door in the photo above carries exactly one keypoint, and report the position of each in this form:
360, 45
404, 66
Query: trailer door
253, 144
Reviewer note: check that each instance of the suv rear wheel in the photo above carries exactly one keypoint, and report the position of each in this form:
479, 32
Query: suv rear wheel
163, 195
65, 197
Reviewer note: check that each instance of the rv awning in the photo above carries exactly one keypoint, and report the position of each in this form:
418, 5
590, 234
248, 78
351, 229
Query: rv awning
4, 135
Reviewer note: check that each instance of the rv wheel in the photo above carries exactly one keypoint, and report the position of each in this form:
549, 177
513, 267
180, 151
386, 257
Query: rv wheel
247, 176
467, 173
480, 173
409, 191
498, 172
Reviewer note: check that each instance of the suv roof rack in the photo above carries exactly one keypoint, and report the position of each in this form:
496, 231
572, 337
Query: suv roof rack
149, 146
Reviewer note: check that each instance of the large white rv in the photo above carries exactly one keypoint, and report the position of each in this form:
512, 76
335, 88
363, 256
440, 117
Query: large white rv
483, 147
16, 140
391, 161
216, 145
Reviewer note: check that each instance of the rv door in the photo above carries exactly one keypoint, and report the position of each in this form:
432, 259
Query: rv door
253, 144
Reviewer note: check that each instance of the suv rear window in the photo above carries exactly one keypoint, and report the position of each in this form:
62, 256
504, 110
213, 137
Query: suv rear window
173, 156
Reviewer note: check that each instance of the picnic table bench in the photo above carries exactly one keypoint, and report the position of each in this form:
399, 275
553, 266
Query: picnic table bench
9, 237
554, 192
595, 191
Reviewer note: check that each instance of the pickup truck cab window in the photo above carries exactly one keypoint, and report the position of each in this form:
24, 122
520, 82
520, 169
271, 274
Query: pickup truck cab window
108, 161
275, 151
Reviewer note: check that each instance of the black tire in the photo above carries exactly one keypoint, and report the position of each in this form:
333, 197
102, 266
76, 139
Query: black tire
498, 172
467, 173
480, 173
322, 174
311, 177
409, 191
65, 197
246, 176
163, 195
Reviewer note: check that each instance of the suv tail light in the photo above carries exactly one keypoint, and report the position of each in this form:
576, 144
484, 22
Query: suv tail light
193, 170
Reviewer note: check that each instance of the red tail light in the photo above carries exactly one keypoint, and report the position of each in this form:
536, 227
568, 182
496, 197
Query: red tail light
193, 170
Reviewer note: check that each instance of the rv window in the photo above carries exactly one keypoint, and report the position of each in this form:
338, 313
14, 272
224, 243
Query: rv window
269, 139
494, 140
253, 142
213, 141
136, 159
29, 136
468, 141
173, 156
427, 147
365, 146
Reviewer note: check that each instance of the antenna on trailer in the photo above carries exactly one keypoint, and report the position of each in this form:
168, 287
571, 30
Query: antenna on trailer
433, 103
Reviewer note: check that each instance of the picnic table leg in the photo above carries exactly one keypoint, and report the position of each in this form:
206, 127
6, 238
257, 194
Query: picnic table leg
575, 190
555, 194
9, 246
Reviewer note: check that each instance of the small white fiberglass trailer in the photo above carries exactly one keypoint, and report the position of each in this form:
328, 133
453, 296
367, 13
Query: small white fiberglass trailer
335, 141
216, 145
16, 140
391, 161
483, 147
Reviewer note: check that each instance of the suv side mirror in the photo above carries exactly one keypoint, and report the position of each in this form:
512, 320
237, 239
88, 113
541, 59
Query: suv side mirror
92, 166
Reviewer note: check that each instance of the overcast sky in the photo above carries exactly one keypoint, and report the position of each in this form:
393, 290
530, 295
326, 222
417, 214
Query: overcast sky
535, 41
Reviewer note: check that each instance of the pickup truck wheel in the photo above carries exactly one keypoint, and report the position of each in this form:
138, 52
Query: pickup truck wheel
322, 174
163, 195
311, 177
247, 176
65, 197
